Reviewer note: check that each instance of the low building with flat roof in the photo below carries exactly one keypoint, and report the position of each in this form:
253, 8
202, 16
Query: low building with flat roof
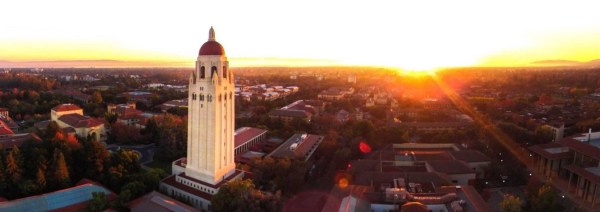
157, 202
75, 198
575, 159
299, 146
247, 137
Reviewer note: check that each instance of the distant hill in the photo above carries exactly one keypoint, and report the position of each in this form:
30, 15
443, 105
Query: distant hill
595, 62
86, 64
556, 63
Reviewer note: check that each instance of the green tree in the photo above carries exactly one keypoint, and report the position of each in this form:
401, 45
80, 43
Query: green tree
510, 203
136, 188
240, 195
98, 202
152, 177
545, 200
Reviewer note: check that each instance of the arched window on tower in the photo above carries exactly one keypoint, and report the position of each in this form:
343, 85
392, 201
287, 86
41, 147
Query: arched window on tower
201, 97
230, 95
213, 71
219, 97
202, 72
224, 71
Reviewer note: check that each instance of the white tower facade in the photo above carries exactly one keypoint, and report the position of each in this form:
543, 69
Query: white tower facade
211, 118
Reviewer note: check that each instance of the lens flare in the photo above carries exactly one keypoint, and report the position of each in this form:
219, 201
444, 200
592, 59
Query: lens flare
364, 147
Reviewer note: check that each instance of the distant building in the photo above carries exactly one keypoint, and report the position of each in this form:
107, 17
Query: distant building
70, 118
352, 79
557, 129
138, 96
335, 93
301, 109
8, 122
75, 94
299, 146
182, 103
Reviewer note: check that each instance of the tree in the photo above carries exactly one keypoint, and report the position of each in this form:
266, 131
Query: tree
98, 202
41, 177
61, 171
240, 195
2, 176
136, 188
14, 165
510, 203
111, 117
96, 97
545, 200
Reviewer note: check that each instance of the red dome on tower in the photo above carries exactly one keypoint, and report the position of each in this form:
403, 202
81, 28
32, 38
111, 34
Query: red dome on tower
211, 47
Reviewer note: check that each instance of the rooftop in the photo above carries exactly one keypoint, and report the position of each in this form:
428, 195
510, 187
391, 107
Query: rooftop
66, 107
298, 146
469, 156
450, 166
57, 200
79, 121
158, 202
245, 134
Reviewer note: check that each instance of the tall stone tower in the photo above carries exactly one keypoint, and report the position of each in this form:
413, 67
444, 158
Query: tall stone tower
210, 139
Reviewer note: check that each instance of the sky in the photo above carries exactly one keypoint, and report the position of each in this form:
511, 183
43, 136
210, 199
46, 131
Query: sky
412, 35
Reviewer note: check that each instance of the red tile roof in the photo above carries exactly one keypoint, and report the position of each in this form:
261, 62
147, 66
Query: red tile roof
66, 107
79, 121
5, 129
245, 134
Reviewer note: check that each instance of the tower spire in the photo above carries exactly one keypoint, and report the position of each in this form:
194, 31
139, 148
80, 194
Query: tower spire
211, 34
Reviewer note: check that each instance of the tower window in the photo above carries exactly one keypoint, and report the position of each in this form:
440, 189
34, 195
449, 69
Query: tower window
213, 71
219, 97
224, 71
202, 72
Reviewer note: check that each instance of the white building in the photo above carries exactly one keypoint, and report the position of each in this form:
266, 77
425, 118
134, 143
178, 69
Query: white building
70, 118
210, 142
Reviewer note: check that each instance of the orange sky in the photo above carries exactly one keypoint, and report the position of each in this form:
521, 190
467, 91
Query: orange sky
413, 35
